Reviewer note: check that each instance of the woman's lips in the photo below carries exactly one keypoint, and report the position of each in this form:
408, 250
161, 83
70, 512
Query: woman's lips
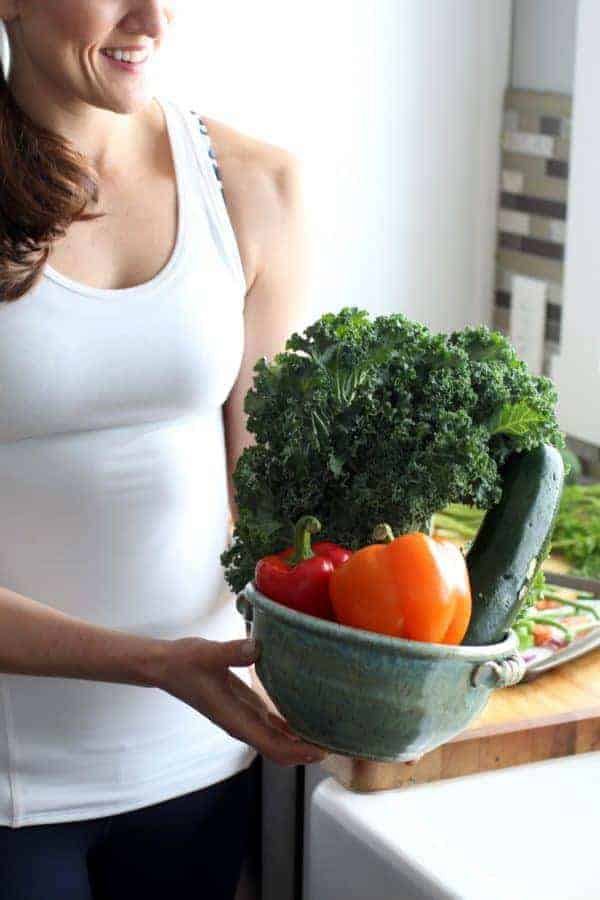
131, 67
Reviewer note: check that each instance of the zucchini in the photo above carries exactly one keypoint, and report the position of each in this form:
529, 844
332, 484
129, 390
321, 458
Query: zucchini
513, 541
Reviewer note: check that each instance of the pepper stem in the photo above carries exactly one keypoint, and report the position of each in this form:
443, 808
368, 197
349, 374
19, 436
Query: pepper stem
382, 534
305, 527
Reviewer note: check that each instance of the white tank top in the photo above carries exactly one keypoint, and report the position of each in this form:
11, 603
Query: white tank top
114, 506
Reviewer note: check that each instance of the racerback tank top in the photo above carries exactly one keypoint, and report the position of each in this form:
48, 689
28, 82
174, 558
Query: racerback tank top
114, 505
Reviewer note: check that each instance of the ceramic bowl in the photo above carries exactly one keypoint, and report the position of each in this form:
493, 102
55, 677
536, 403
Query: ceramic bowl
368, 695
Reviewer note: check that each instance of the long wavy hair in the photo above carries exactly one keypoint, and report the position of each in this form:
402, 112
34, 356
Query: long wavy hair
45, 185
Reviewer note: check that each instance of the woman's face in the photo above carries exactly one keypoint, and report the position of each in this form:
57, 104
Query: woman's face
64, 44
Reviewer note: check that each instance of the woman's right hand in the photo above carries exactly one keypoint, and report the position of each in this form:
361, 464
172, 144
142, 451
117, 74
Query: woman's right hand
197, 671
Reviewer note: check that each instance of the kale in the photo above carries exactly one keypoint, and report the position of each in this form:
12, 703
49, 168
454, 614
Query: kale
363, 420
576, 534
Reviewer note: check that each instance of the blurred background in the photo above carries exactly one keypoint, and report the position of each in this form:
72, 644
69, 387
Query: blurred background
449, 151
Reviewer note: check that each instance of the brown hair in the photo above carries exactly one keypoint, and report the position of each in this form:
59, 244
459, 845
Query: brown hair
45, 185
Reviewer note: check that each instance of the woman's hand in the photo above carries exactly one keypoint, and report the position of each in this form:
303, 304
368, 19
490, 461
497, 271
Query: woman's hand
197, 672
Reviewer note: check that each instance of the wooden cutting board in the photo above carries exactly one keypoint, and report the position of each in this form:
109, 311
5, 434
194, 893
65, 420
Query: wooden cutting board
558, 714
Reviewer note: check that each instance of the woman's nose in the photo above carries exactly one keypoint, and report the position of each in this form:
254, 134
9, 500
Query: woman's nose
151, 17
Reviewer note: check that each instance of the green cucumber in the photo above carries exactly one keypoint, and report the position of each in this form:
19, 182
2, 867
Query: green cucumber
513, 541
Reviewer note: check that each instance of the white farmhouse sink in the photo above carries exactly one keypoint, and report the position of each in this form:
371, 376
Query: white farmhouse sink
526, 832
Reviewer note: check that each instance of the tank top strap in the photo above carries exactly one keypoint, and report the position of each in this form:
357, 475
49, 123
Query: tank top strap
209, 150
208, 167
201, 158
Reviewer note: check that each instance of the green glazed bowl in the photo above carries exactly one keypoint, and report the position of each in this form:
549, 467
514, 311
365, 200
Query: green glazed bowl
368, 695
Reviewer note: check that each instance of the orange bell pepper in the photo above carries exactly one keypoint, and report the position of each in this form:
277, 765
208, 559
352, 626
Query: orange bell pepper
413, 586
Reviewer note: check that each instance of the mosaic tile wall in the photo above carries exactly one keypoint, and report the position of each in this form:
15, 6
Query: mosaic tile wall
533, 203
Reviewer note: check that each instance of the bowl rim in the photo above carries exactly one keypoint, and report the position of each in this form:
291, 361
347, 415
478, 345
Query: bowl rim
323, 627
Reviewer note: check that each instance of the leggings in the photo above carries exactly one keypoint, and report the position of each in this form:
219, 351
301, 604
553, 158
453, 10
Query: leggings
192, 846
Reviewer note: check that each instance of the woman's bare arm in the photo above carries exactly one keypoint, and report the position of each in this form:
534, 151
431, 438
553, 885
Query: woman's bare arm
277, 304
36, 639
278, 301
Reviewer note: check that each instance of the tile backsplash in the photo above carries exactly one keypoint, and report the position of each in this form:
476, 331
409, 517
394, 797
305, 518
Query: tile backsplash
532, 211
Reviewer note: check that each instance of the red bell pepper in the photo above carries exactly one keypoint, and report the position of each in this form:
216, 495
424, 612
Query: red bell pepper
299, 576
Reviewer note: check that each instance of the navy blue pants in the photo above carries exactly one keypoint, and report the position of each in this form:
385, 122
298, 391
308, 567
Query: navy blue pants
188, 847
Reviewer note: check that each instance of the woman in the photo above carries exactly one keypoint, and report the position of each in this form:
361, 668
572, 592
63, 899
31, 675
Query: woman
139, 283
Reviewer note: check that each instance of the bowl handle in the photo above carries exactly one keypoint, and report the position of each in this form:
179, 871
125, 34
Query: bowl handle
244, 607
499, 673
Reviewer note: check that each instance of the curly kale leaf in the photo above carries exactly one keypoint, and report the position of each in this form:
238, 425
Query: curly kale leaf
363, 420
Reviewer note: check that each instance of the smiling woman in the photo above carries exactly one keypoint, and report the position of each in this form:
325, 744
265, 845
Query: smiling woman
65, 59
123, 369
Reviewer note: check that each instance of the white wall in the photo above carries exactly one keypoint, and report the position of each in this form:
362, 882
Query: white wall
394, 108
577, 369
544, 45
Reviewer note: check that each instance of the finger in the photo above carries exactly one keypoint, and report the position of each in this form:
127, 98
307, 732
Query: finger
219, 654
244, 692
277, 722
245, 723
273, 716
247, 695
413, 762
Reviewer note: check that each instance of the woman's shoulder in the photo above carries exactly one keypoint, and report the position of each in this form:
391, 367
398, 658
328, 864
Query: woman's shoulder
244, 155
258, 177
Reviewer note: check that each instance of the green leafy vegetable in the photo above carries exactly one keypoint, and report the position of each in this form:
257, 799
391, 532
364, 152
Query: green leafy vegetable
573, 467
576, 533
516, 419
363, 421
458, 522
537, 590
